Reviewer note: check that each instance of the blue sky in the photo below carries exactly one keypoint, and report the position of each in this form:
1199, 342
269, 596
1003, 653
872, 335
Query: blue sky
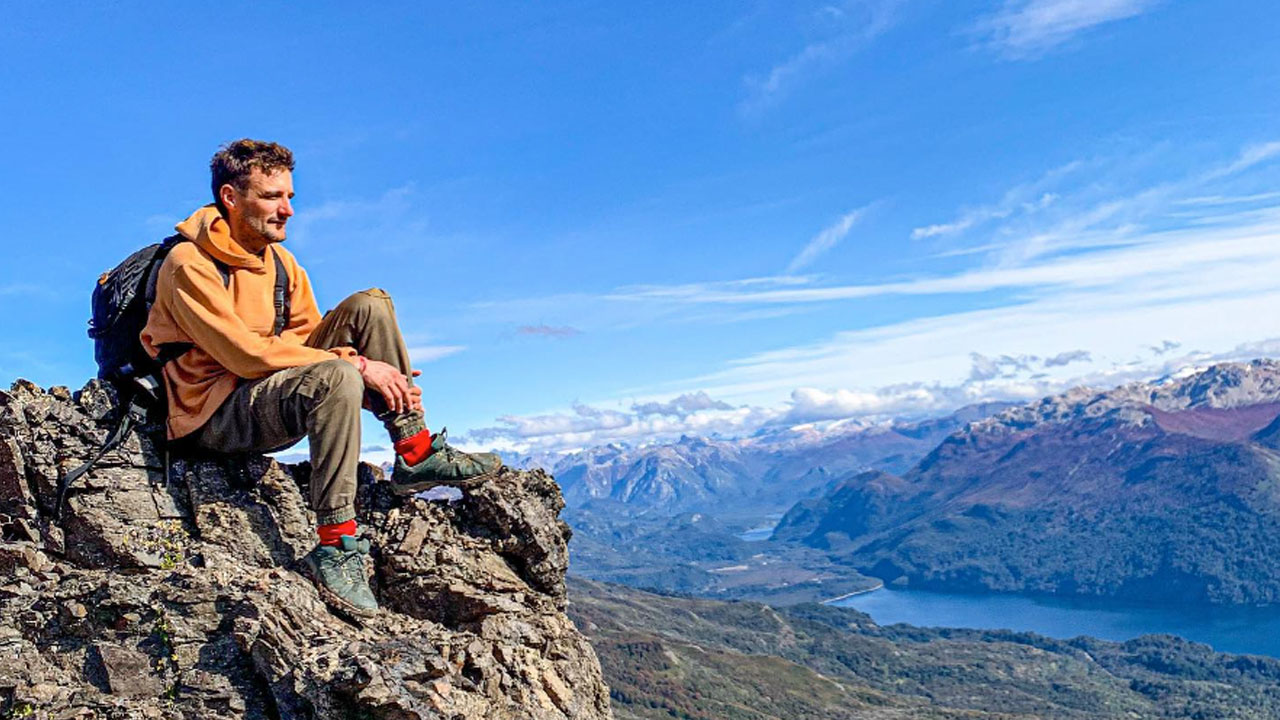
604, 221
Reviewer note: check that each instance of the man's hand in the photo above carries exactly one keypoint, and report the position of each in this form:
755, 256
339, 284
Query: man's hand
415, 394
387, 381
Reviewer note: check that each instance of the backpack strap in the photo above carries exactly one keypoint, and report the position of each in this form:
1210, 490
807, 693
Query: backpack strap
134, 416
224, 271
281, 298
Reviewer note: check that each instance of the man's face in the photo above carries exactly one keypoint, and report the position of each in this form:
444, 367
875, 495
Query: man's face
258, 215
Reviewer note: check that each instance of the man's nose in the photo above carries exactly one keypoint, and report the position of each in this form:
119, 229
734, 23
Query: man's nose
286, 208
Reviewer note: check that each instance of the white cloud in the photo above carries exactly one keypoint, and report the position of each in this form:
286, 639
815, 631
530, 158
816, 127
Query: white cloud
1006, 366
685, 404
1027, 28
429, 353
1066, 358
585, 425
826, 239
812, 404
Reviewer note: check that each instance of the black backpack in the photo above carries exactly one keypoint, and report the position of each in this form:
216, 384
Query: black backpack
122, 300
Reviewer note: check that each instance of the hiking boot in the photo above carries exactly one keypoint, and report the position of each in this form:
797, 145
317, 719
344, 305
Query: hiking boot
444, 466
338, 574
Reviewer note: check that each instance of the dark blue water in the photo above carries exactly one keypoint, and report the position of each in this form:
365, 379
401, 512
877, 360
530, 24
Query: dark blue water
1253, 631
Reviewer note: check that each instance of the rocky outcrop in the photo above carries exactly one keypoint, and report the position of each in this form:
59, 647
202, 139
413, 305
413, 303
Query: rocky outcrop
174, 597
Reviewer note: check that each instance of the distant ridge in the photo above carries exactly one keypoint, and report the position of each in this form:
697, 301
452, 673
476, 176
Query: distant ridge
764, 473
1155, 492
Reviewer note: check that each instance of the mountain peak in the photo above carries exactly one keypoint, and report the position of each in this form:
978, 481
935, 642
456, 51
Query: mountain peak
1221, 386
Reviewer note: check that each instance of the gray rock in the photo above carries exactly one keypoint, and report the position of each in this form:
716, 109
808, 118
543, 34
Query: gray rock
173, 595
128, 672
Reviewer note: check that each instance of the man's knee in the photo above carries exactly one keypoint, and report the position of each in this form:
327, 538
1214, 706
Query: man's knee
339, 380
368, 303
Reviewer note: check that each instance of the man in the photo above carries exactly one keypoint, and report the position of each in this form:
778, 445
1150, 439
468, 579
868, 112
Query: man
246, 385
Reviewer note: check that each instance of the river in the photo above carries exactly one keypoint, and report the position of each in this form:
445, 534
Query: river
1236, 630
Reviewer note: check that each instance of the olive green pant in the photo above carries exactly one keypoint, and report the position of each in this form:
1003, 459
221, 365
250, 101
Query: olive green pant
320, 402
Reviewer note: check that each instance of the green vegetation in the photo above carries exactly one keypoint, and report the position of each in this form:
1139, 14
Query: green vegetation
167, 540
681, 657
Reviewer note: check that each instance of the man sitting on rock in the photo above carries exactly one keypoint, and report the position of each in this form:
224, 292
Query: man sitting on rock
246, 386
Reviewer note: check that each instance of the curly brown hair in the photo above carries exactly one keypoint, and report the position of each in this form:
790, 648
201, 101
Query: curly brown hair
233, 163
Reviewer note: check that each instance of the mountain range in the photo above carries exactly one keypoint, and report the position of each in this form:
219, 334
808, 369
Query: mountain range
754, 476
1153, 492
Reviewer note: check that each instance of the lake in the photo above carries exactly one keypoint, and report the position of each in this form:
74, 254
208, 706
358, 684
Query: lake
761, 532
1253, 631
758, 534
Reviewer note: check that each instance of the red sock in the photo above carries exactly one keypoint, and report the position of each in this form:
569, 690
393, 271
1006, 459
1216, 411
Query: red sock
415, 448
332, 534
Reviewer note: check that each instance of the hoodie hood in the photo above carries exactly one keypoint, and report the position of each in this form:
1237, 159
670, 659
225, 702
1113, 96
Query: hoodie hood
209, 230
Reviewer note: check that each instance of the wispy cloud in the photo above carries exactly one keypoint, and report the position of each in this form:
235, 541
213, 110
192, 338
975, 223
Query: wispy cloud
1055, 234
551, 331
846, 28
826, 239
429, 353
1248, 158
1230, 199
1028, 28
384, 222
1137, 257
1107, 283
1027, 199
31, 290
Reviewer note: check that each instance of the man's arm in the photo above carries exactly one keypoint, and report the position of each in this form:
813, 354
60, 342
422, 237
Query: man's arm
202, 307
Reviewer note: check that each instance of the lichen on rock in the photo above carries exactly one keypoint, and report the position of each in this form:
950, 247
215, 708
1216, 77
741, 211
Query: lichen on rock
175, 597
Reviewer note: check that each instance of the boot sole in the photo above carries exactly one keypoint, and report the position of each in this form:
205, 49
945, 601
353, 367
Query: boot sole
332, 599
464, 484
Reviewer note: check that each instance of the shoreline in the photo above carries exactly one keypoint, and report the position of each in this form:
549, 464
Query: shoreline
879, 586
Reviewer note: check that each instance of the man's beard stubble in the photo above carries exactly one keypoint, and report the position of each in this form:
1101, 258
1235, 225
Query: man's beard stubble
256, 232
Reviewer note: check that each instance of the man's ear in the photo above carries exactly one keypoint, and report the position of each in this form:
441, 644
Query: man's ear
228, 195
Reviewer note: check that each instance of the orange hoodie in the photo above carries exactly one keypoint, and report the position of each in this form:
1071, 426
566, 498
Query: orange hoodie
230, 325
